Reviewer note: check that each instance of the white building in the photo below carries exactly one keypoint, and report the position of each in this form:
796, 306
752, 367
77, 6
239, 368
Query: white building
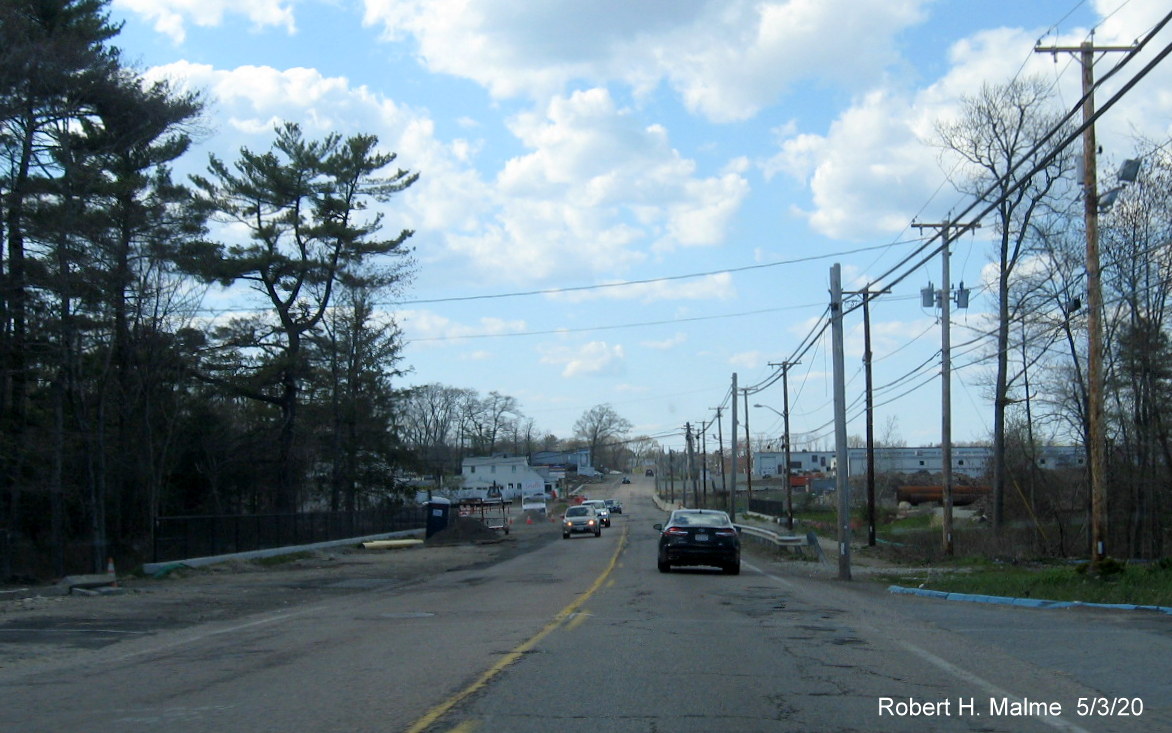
968, 460
511, 474
578, 459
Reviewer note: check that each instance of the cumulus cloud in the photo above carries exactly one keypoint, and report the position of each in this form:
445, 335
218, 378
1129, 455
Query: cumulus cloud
594, 193
171, 17
422, 326
876, 167
595, 186
596, 358
666, 344
725, 58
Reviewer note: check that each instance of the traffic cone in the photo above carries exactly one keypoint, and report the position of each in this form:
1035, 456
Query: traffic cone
110, 570
529, 519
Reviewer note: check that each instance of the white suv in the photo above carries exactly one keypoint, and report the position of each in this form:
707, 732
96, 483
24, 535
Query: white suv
600, 509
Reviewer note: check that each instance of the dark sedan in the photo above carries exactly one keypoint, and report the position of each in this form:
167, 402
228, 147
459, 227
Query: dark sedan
699, 537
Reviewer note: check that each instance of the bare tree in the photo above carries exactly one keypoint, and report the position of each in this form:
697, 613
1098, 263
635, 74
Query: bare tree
601, 426
996, 136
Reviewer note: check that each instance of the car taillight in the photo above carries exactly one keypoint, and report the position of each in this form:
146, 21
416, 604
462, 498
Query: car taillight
726, 533
676, 531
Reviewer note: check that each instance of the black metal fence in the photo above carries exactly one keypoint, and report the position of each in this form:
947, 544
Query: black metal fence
770, 507
178, 538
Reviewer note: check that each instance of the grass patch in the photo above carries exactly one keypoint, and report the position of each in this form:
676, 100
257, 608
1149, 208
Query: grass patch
1147, 585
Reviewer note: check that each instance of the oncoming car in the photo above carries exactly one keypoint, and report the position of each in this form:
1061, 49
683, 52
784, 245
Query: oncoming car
580, 519
600, 509
699, 537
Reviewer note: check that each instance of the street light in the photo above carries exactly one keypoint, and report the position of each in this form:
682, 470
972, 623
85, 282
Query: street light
789, 489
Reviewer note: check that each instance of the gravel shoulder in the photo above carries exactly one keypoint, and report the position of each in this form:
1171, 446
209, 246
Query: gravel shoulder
39, 625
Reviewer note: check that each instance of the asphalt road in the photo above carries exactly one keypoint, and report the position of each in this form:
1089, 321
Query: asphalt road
543, 634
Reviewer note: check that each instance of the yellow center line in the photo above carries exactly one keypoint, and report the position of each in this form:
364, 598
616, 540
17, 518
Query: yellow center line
444, 707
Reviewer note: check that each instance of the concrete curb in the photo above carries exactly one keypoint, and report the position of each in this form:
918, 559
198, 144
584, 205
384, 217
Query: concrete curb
1021, 602
152, 568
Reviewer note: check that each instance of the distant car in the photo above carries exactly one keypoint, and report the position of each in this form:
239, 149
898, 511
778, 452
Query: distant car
533, 503
649, 472
699, 537
614, 506
600, 509
626, 480
579, 519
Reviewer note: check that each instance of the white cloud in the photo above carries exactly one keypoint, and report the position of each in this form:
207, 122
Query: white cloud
170, 17
666, 344
594, 188
424, 326
449, 198
596, 358
709, 287
876, 167
869, 174
748, 359
480, 355
725, 58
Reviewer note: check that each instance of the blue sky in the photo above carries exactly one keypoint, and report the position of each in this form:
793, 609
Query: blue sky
568, 145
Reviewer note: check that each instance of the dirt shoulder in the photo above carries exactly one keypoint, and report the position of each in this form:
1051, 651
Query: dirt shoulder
39, 624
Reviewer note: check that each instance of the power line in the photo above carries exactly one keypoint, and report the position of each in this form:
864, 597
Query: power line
612, 327
647, 281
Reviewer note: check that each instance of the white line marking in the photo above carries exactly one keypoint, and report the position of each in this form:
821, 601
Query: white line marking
966, 676
961, 674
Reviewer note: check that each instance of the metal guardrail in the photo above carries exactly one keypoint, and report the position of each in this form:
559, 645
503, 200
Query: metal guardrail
783, 540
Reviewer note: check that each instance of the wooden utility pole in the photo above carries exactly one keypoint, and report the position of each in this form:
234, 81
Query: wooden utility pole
1096, 434
732, 488
748, 449
691, 466
703, 465
720, 448
789, 489
867, 295
842, 470
945, 297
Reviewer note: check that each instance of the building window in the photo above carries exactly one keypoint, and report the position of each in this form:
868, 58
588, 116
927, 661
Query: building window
514, 468
472, 469
493, 470
960, 462
921, 463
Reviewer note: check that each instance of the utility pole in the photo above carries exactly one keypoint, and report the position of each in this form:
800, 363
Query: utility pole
703, 464
732, 489
841, 472
945, 297
1096, 434
720, 443
867, 295
748, 449
789, 489
671, 478
691, 464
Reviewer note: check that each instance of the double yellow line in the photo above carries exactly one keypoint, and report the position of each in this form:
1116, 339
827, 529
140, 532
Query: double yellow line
443, 708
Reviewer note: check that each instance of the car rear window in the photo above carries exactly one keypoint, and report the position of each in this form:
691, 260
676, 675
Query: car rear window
698, 519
